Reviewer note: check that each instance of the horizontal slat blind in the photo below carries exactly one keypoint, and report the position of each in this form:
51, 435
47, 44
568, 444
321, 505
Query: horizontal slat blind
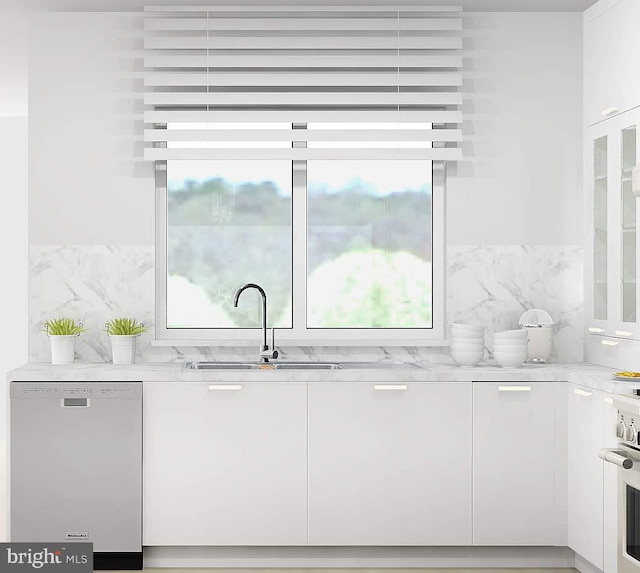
356, 82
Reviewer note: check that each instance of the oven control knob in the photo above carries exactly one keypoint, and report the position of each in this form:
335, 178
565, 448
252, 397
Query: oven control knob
621, 431
631, 434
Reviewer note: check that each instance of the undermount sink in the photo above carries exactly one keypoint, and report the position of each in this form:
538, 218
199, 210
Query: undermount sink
307, 366
203, 365
221, 366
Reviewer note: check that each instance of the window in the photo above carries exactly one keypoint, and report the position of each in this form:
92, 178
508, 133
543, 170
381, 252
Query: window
343, 248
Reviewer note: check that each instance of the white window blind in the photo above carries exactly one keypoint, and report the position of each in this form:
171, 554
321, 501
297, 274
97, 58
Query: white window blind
303, 82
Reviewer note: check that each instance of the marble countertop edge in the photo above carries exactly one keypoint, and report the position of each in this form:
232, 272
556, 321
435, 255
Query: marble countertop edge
588, 375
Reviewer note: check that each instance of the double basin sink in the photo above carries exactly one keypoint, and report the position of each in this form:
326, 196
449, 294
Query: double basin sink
384, 365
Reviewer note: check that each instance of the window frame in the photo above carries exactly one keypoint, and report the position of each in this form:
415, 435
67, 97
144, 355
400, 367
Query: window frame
300, 335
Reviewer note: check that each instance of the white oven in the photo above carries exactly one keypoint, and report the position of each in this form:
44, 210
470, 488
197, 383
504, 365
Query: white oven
627, 457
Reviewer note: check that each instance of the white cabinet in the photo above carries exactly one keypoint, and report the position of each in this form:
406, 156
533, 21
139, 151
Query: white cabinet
515, 500
585, 473
610, 492
612, 294
225, 464
611, 56
389, 464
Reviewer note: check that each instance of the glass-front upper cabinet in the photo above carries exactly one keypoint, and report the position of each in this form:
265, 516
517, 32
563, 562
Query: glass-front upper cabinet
612, 295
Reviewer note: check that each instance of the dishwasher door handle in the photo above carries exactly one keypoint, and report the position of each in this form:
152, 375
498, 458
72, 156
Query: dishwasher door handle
75, 402
616, 457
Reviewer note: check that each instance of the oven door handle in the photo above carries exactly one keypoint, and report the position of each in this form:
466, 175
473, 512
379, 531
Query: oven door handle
616, 457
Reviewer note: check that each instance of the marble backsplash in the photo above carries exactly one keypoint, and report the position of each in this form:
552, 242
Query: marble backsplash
491, 285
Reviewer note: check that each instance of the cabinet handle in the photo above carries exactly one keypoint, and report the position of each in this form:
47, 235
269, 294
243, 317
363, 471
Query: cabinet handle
595, 330
623, 333
609, 111
514, 388
390, 387
609, 342
608, 401
225, 387
584, 393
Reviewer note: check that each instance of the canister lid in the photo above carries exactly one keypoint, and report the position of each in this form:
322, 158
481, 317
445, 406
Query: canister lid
535, 318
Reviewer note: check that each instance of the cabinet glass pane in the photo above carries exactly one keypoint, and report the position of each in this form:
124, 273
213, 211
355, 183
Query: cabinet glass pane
628, 239
600, 152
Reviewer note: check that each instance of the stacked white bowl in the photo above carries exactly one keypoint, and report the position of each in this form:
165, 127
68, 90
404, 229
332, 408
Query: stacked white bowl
467, 343
510, 347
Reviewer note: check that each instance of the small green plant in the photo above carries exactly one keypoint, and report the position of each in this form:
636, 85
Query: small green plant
63, 327
125, 327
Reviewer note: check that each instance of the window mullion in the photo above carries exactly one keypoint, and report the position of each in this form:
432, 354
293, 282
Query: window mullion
299, 236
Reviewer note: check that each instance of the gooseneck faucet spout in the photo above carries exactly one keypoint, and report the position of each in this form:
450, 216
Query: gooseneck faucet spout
265, 352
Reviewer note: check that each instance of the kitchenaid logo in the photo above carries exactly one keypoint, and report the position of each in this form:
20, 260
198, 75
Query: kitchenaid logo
76, 557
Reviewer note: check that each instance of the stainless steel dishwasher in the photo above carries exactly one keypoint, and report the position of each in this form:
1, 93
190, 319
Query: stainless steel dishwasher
76, 467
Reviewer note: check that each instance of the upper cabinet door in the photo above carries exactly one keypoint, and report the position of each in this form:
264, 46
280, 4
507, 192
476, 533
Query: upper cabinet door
612, 295
611, 59
389, 464
514, 464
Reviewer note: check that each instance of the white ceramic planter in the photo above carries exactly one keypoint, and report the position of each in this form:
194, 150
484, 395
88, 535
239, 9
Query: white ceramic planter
63, 348
123, 348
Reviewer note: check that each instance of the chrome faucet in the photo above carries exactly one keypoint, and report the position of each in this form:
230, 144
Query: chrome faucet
265, 352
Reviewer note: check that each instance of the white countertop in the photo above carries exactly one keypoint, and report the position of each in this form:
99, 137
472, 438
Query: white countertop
589, 375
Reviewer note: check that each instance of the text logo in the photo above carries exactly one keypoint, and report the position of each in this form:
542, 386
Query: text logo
63, 558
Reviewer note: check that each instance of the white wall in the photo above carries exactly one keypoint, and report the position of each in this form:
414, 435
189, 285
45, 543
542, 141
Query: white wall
13, 215
521, 181
87, 182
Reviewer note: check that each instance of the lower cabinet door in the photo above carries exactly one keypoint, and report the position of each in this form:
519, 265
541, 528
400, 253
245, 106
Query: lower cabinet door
514, 493
585, 470
389, 464
610, 472
225, 464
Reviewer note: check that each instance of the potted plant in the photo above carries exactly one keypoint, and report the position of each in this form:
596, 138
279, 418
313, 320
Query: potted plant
63, 333
123, 333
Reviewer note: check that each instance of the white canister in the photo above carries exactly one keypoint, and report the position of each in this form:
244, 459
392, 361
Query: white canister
123, 348
539, 327
63, 348
539, 343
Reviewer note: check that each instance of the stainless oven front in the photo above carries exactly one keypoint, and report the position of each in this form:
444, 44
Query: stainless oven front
627, 457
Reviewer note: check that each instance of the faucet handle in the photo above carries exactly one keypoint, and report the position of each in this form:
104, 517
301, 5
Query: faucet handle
273, 353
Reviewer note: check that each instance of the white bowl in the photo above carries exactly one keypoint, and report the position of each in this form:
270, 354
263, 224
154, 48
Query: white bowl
511, 341
462, 333
469, 339
500, 346
474, 327
466, 346
466, 357
510, 334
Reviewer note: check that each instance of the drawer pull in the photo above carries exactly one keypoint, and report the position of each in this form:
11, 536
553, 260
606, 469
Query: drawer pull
390, 387
514, 388
609, 111
609, 342
595, 330
225, 387
584, 393
608, 401
623, 333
